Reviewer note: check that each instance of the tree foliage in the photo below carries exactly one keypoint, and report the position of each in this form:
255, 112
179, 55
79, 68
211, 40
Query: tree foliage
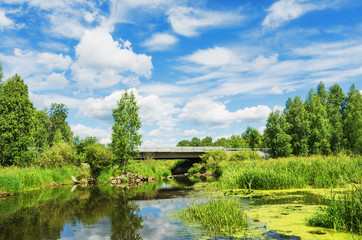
58, 114
125, 136
16, 121
253, 137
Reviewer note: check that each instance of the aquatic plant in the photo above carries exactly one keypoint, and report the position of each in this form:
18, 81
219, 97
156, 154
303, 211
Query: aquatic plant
218, 217
293, 172
342, 212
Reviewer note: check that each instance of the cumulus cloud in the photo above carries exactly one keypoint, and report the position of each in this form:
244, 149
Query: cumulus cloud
188, 21
104, 136
205, 111
41, 70
102, 62
287, 10
160, 42
191, 133
45, 100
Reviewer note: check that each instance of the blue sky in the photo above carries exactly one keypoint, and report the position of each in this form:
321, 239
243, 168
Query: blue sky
198, 68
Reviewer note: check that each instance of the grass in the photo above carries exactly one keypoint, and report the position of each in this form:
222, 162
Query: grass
15, 179
342, 213
224, 217
293, 172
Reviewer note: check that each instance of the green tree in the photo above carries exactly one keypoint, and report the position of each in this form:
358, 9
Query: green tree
298, 125
125, 136
16, 122
206, 142
353, 121
1, 73
41, 130
184, 143
334, 110
319, 123
278, 141
221, 142
252, 137
195, 142
58, 114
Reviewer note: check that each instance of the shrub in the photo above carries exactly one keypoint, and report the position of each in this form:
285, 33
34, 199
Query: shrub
98, 157
212, 158
59, 154
245, 155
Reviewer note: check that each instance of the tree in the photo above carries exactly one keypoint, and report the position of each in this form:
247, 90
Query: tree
319, 123
184, 143
253, 137
41, 130
353, 121
58, 114
298, 125
16, 121
195, 142
1, 73
206, 142
278, 141
98, 157
125, 136
334, 110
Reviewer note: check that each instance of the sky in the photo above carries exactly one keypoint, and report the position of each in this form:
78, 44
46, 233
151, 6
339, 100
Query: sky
198, 68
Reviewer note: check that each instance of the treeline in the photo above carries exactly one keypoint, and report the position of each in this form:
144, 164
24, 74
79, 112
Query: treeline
251, 138
325, 123
43, 138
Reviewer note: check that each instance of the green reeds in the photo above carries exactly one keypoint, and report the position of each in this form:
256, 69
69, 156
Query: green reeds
342, 213
284, 173
218, 217
14, 179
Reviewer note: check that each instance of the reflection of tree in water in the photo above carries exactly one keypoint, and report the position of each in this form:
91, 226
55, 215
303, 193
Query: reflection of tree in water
125, 220
46, 219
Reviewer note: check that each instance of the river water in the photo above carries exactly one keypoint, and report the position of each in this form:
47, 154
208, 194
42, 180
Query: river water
145, 212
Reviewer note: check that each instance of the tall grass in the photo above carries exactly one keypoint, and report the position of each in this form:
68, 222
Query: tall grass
14, 179
218, 217
342, 213
294, 172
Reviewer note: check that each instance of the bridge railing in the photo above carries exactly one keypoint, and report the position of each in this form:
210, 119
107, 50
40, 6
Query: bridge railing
194, 149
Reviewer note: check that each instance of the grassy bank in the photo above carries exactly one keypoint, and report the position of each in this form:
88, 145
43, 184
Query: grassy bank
293, 172
218, 217
15, 179
145, 168
343, 212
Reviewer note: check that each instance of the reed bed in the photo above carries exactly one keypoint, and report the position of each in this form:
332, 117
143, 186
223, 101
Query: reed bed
15, 179
224, 217
294, 172
342, 212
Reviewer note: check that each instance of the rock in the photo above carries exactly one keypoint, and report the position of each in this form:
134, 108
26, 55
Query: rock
151, 179
169, 177
138, 180
83, 181
114, 181
186, 174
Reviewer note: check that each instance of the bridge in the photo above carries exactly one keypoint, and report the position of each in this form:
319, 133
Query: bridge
184, 152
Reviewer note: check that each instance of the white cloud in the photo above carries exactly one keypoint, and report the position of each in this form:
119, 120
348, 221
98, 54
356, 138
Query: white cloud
276, 90
205, 111
90, 17
286, 10
101, 60
45, 100
261, 129
5, 22
160, 42
191, 133
38, 69
213, 57
104, 136
188, 21
66, 26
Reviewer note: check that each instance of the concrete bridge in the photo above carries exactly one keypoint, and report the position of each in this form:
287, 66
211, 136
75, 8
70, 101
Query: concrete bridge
184, 152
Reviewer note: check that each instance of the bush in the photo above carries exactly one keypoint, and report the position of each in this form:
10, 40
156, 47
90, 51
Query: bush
245, 155
212, 158
59, 154
98, 157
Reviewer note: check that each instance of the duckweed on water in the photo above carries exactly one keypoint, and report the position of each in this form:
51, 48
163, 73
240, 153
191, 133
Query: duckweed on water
218, 217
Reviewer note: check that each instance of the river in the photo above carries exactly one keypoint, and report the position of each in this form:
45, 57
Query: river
147, 212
